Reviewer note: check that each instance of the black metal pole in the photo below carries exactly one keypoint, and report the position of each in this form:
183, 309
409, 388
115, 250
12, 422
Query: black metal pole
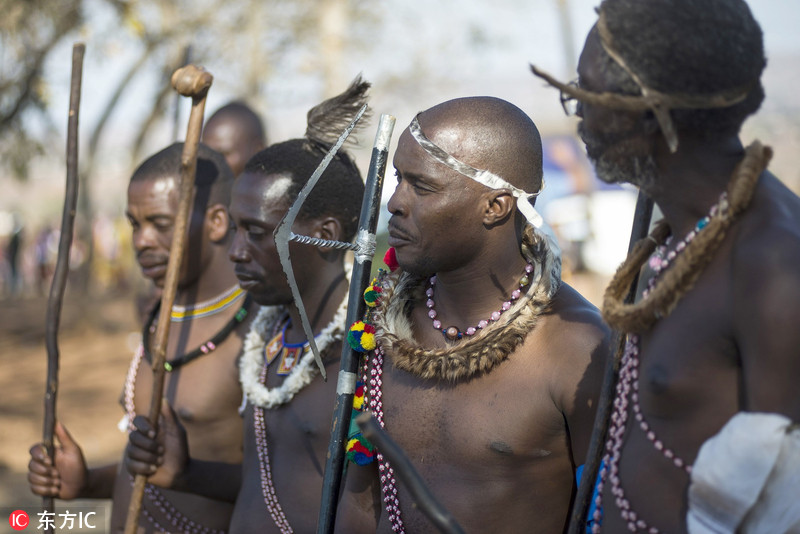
583, 499
368, 222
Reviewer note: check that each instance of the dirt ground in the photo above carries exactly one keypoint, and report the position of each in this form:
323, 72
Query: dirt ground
96, 340
95, 343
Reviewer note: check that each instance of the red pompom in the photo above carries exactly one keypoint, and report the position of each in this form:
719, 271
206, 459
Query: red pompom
390, 259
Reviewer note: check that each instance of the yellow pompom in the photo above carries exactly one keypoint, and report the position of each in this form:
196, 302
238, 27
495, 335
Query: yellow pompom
368, 341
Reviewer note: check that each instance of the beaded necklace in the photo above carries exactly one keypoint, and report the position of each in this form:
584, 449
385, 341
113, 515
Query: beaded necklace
687, 267
288, 354
208, 307
257, 356
180, 523
452, 332
373, 375
471, 355
628, 393
262, 448
657, 301
303, 371
205, 348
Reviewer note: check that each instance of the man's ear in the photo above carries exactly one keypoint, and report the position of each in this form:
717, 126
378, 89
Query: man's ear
499, 205
328, 228
217, 223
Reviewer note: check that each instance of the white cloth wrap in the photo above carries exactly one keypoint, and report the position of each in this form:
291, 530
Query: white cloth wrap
746, 478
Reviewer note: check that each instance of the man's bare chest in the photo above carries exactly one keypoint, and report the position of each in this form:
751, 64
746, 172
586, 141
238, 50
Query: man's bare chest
486, 420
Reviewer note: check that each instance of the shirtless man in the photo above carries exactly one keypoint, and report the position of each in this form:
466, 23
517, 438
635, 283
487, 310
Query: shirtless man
492, 365
719, 301
204, 342
286, 420
236, 132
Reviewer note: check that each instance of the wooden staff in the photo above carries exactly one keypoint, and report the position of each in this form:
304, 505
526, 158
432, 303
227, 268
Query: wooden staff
59, 283
194, 82
421, 494
583, 500
346, 386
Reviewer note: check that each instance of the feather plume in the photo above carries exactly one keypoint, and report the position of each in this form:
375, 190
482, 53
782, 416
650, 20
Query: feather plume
327, 120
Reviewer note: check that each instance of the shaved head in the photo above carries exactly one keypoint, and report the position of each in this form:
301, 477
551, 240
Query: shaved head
489, 134
236, 132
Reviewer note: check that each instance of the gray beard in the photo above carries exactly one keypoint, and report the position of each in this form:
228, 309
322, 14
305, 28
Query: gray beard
640, 171
616, 161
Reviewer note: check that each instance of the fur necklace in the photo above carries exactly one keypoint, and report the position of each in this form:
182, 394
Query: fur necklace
690, 264
473, 355
301, 374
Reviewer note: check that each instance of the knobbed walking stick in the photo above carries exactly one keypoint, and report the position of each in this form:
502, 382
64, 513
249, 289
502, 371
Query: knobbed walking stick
59, 283
583, 500
193, 82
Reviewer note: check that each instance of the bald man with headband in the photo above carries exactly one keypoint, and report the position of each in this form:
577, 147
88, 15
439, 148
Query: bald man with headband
487, 366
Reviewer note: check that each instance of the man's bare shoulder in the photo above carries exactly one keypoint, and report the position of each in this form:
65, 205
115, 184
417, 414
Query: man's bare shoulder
573, 328
767, 243
765, 282
572, 313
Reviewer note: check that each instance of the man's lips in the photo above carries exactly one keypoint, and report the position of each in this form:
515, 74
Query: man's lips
397, 237
247, 280
152, 267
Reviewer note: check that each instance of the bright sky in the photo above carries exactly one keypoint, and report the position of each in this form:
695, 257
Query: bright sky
425, 52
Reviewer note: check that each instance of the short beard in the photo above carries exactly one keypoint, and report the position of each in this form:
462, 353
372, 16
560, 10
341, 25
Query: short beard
621, 158
421, 267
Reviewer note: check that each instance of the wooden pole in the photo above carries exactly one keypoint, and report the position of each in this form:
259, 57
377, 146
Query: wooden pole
583, 500
59, 284
194, 82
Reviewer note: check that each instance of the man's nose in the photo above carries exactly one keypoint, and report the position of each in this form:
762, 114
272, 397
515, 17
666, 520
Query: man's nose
237, 251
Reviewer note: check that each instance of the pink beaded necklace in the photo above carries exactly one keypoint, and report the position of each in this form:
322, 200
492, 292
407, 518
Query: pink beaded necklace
627, 392
260, 428
452, 332
372, 375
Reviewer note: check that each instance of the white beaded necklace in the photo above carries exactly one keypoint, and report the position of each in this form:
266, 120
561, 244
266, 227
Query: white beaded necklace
301, 374
253, 376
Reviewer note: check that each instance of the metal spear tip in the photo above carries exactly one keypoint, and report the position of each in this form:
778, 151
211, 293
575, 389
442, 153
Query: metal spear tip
192, 81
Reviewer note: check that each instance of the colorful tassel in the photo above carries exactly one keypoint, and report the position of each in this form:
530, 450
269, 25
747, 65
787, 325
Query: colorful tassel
360, 451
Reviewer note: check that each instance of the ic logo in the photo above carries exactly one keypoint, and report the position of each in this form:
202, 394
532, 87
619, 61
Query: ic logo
18, 520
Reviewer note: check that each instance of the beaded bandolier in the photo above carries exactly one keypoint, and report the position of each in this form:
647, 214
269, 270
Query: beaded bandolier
263, 345
676, 268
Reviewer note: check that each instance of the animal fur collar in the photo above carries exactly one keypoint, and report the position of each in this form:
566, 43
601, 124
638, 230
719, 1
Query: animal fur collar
470, 356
